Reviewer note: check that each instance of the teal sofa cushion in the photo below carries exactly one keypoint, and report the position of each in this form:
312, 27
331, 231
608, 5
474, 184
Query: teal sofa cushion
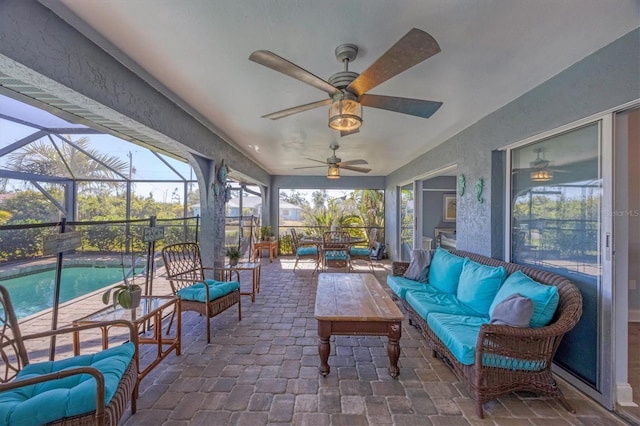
400, 285
479, 285
307, 251
545, 298
459, 333
360, 251
445, 271
197, 292
425, 302
71, 396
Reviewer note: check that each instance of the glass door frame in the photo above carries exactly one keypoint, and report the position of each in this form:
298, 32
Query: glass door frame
605, 392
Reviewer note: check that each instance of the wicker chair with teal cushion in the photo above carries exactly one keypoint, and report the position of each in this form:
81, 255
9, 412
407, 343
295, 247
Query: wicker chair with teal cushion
364, 253
186, 274
303, 251
88, 389
335, 250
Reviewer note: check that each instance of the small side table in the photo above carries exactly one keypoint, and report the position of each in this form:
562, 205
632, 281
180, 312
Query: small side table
272, 246
151, 310
254, 267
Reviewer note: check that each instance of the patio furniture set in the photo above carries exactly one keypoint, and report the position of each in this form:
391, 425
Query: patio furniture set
491, 358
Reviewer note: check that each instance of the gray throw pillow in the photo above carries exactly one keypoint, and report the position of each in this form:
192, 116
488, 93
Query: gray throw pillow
418, 269
516, 311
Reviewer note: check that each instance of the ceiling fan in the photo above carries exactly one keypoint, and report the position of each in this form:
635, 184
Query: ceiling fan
335, 164
348, 90
540, 169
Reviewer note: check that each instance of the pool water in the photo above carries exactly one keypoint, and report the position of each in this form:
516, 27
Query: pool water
34, 293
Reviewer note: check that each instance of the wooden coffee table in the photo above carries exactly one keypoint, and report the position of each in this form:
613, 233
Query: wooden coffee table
356, 304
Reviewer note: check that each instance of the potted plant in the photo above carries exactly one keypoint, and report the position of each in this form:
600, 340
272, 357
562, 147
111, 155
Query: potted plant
265, 232
126, 294
233, 252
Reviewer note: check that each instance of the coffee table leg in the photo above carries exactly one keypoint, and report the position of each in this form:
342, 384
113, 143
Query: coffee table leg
324, 347
393, 348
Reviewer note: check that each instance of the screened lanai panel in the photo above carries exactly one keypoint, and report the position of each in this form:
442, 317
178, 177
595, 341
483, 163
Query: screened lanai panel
40, 118
11, 132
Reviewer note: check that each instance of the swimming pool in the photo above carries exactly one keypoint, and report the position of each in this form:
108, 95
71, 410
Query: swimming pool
34, 292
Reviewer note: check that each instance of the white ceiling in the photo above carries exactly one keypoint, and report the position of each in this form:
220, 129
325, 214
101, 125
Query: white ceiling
493, 51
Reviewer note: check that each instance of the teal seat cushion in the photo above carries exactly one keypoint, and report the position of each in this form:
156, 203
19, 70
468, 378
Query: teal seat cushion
460, 334
197, 292
400, 285
71, 396
545, 298
307, 251
336, 255
445, 271
479, 285
360, 251
427, 302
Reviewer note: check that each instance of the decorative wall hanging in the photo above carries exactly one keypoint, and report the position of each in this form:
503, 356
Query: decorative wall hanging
227, 193
461, 185
222, 173
219, 186
479, 188
449, 208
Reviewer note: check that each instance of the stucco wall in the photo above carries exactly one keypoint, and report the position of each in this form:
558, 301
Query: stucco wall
603, 80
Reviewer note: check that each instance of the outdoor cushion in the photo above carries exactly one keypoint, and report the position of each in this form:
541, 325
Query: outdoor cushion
336, 255
445, 271
544, 297
419, 266
427, 302
302, 251
479, 285
197, 292
360, 251
400, 285
515, 311
71, 396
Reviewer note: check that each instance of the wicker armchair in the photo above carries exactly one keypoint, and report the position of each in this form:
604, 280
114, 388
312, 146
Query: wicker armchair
60, 381
183, 264
497, 343
364, 253
335, 250
304, 251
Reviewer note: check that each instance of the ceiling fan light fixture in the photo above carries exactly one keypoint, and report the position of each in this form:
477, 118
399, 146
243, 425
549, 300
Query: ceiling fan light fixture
541, 175
345, 113
333, 172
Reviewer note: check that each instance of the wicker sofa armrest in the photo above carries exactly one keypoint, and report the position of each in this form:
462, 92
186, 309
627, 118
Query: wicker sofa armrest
399, 268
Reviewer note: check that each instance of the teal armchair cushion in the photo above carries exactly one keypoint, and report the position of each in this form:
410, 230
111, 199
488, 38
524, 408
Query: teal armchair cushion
445, 271
197, 292
360, 251
545, 298
71, 396
307, 251
479, 285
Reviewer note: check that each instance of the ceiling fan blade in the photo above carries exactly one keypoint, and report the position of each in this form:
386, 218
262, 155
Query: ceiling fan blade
317, 161
300, 108
417, 107
347, 133
308, 167
351, 162
356, 169
415, 47
276, 63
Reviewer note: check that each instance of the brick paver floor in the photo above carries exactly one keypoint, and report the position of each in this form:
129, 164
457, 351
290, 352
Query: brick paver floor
263, 370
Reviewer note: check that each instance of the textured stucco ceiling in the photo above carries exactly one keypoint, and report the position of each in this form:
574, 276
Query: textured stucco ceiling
493, 51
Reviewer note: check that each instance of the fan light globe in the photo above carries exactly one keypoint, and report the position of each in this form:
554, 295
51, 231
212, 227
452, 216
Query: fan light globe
345, 113
333, 172
541, 175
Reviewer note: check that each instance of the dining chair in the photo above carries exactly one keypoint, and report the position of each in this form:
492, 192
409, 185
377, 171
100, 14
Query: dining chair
87, 389
302, 251
364, 253
335, 250
186, 274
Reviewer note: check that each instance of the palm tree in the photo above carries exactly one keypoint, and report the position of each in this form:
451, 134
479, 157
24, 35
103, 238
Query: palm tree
49, 159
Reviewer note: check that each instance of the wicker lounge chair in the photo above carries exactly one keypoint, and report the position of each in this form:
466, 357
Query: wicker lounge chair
183, 264
61, 382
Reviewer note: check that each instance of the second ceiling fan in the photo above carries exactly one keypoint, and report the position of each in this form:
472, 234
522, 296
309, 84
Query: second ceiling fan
347, 90
335, 164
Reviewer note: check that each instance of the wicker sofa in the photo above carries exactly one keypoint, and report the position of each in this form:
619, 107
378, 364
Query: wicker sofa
505, 358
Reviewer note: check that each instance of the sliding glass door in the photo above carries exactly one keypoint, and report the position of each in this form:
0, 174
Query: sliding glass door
560, 191
407, 222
